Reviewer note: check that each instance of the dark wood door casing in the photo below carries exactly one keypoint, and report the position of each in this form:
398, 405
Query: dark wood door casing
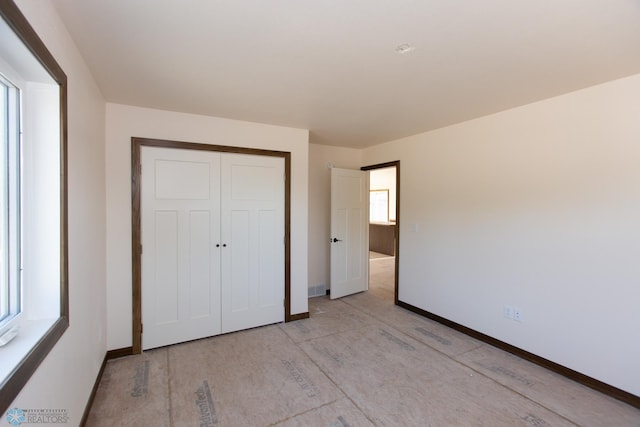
136, 241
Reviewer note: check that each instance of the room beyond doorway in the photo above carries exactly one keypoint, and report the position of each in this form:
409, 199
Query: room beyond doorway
384, 215
381, 275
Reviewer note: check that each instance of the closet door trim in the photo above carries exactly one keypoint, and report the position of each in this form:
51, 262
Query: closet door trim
136, 144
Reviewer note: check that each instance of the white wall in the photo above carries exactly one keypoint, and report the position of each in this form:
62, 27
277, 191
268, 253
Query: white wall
124, 122
537, 207
65, 378
320, 204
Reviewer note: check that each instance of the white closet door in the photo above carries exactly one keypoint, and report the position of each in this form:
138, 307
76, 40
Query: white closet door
252, 227
180, 208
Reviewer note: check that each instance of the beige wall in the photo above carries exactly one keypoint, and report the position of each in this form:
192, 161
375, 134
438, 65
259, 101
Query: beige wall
320, 204
537, 207
65, 378
123, 122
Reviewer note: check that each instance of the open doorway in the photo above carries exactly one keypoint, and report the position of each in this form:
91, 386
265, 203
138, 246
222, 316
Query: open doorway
383, 230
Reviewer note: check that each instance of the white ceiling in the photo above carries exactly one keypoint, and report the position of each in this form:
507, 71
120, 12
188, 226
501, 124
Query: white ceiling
330, 66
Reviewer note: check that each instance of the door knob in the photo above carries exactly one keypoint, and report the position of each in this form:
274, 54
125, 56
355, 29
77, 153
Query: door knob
336, 240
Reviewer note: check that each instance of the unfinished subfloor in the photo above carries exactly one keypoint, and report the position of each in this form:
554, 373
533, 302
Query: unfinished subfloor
357, 361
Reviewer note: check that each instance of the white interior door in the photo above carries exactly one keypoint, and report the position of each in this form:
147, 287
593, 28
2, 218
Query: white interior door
349, 237
253, 232
180, 231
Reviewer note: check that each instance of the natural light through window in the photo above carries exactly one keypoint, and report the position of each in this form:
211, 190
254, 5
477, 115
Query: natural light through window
30, 213
10, 211
34, 303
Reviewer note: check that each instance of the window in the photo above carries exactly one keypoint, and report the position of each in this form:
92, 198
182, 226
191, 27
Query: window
33, 202
10, 235
379, 206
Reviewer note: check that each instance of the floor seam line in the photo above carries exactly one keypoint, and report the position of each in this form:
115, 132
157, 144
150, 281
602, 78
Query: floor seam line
344, 393
512, 390
454, 359
303, 412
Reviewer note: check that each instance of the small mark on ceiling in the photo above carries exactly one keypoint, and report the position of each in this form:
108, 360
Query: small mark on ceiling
405, 48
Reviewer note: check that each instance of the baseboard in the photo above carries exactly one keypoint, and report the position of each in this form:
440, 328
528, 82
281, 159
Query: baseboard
92, 396
111, 354
299, 316
119, 352
576, 376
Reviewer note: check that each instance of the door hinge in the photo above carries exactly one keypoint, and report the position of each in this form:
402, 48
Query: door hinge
141, 327
140, 249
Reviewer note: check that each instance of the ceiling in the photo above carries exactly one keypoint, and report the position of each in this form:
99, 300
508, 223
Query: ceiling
331, 66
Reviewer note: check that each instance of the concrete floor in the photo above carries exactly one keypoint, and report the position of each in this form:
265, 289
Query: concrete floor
357, 361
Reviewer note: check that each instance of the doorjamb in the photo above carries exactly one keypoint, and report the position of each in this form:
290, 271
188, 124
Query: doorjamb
395, 164
136, 241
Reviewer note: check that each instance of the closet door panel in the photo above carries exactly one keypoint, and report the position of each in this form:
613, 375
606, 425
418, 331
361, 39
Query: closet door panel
252, 200
180, 227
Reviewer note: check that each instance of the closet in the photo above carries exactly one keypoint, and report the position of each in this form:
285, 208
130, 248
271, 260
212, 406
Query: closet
212, 235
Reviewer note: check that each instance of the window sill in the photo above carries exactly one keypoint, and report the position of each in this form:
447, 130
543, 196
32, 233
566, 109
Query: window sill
31, 331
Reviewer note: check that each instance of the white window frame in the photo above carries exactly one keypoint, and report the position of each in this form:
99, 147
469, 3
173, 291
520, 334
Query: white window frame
10, 226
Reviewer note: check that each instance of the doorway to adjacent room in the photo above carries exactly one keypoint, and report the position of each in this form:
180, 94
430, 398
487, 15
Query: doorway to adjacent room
383, 229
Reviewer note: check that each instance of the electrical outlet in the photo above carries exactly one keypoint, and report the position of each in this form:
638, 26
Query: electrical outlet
507, 311
517, 314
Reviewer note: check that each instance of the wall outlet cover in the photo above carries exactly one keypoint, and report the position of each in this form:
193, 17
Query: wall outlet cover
507, 311
517, 314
